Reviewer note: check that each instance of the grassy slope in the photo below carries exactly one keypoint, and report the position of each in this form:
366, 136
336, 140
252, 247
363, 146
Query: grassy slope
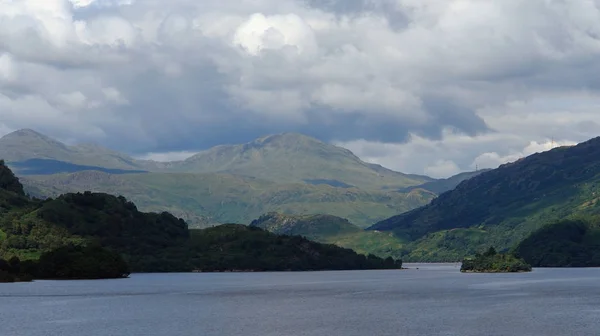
27, 144
332, 230
573, 242
503, 206
295, 158
250, 248
205, 199
283, 158
162, 243
151, 242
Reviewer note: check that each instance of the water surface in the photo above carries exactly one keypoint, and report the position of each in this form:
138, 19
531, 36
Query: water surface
431, 300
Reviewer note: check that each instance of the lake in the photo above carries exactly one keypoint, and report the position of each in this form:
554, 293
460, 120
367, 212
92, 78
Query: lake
431, 300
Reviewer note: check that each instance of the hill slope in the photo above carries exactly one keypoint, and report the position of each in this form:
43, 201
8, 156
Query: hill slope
295, 158
282, 158
27, 144
54, 230
567, 243
502, 206
208, 199
314, 227
251, 248
332, 230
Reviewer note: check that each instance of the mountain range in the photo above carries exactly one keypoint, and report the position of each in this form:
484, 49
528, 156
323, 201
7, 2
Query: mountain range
545, 208
281, 158
293, 184
288, 172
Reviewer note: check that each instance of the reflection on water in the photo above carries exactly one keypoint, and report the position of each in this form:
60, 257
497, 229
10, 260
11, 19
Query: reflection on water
426, 299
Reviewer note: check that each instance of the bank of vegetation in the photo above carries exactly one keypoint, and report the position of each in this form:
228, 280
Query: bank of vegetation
96, 235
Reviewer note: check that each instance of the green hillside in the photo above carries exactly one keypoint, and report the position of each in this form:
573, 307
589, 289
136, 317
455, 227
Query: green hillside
503, 206
295, 158
244, 248
332, 230
289, 173
287, 158
567, 243
208, 199
63, 236
314, 227
27, 144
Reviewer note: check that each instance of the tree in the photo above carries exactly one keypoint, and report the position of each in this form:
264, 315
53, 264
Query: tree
8, 180
490, 252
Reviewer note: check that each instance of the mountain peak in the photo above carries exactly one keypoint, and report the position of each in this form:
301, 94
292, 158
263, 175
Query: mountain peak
295, 158
25, 133
27, 143
289, 138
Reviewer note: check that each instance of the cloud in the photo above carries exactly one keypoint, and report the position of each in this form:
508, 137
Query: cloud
493, 159
423, 86
442, 168
166, 157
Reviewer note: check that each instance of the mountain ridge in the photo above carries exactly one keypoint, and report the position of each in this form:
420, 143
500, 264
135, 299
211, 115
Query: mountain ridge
28, 144
294, 157
283, 158
502, 206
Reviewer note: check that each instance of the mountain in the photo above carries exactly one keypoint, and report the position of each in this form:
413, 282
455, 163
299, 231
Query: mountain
287, 172
209, 199
295, 158
332, 230
503, 206
26, 144
63, 236
49, 167
281, 158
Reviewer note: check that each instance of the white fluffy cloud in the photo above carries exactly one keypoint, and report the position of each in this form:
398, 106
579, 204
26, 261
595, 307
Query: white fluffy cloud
424, 86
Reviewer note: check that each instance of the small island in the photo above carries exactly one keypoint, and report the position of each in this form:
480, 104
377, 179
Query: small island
494, 262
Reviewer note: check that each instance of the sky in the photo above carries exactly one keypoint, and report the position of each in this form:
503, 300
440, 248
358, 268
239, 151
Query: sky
431, 87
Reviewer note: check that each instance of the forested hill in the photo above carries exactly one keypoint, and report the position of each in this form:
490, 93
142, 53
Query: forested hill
571, 242
150, 242
331, 230
502, 206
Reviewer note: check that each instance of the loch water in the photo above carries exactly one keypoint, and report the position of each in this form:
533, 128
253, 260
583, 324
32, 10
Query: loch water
427, 299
